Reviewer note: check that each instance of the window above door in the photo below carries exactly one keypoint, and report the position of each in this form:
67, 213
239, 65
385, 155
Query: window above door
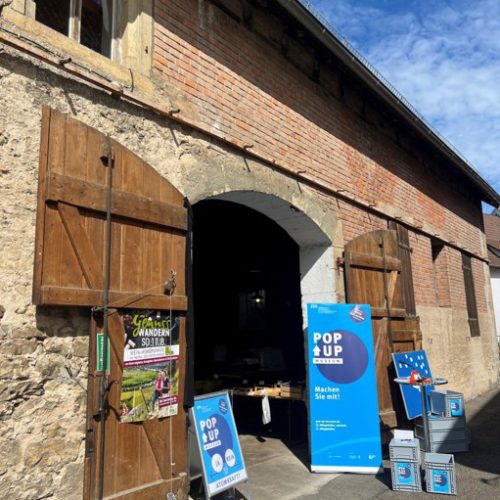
92, 23
119, 30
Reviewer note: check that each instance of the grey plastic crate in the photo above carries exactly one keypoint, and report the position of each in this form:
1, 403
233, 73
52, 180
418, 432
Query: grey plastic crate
440, 473
404, 449
405, 476
444, 435
438, 423
447, 403
446, 446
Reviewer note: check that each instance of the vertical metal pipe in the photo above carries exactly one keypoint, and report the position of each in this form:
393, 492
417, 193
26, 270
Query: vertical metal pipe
104, 378
425, 418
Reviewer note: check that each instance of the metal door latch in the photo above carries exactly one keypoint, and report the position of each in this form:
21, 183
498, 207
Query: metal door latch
170, 284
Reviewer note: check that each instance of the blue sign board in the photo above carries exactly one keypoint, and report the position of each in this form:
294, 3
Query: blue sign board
221, 457
343, 406
405, 363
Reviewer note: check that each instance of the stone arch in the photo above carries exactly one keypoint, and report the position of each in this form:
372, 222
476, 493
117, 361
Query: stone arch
306, 216
225, 177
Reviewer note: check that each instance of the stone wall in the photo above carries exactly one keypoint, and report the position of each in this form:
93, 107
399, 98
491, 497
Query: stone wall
43, 378
43, 369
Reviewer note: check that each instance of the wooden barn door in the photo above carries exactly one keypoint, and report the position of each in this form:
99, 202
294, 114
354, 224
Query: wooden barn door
148, 238
376, 271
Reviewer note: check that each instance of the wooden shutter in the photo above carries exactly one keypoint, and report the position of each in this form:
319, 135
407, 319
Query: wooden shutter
470, 295
148, 238
373, 273
404, 251
148, 225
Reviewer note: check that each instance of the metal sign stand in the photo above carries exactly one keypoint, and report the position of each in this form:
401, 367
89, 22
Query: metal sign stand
229, 488
423, 394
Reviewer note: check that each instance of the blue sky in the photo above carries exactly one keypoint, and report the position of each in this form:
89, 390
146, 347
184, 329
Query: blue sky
443, 56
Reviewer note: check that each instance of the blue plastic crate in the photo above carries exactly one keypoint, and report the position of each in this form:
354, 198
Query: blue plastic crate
405, 476
447, 403
440, 473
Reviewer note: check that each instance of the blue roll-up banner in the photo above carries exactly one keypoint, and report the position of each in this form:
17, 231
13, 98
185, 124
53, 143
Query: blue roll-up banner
221, 458
344, 418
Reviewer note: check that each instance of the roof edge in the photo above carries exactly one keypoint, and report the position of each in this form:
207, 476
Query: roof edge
378, 85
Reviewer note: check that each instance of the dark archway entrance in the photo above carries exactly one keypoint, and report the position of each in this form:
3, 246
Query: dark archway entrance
248, 313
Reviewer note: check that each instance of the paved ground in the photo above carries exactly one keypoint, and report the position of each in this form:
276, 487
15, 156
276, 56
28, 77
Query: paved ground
278, 473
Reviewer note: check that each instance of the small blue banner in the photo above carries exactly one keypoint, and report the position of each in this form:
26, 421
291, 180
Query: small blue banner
405, 473
343, 405
440, 481
456, 409
221, 458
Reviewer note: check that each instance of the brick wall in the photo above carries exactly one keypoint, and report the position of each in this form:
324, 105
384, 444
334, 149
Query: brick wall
356, 221
242, 86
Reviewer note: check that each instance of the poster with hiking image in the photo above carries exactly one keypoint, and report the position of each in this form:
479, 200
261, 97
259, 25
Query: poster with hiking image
150, 380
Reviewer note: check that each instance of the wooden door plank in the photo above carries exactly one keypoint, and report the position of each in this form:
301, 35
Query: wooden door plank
152, 255
151, 265
53, 228
156, 435
178, 261
391, 288
75, 158
96, 172
81, 245
116, 252
57, 142
96, 169
112, 479
150, 491
91, 445
40, 209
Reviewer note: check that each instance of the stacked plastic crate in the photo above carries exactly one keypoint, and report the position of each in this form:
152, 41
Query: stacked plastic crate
405, 464
447, 424
440, 473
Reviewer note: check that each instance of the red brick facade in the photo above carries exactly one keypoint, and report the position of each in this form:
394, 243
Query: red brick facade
253, 86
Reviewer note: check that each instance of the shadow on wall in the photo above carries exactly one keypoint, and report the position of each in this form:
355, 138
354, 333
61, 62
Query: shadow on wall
62, 321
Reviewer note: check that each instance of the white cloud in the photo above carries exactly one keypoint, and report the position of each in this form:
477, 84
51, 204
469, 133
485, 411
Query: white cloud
443, 56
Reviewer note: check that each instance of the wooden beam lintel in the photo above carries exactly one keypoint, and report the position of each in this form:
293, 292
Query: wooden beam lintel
382, 312
56, 295
92, 196
369, 261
